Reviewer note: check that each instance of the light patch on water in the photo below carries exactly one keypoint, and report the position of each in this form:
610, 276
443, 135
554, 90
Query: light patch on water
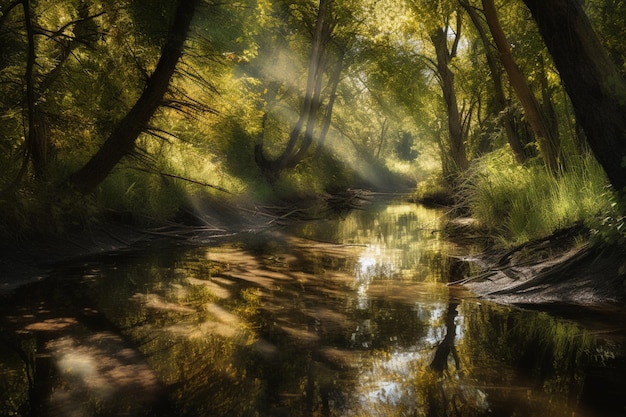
157, 302
363, 277
387, 379
374, 263
99, 369
217, 290
221, 323
81, 366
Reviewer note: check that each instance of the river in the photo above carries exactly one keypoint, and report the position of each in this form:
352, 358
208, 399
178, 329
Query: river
342, 317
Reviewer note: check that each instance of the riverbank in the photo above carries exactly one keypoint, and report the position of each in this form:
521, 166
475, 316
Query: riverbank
30, 259
562, 268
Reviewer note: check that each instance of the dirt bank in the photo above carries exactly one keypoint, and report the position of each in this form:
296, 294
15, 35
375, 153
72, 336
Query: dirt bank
562, 268
29, 260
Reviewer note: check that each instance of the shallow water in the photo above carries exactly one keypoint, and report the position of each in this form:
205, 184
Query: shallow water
347, 317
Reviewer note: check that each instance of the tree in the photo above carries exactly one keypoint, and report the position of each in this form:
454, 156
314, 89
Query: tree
121, 141
536, 118
498, 104
44, 50
594, 84
445, 52
315, 116
442, 20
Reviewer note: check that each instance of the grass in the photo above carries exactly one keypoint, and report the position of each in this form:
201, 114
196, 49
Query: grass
520, 203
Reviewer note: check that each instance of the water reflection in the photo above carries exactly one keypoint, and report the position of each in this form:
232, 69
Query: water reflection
335, 318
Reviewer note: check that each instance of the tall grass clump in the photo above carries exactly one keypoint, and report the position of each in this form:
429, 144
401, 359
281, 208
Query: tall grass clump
523, 202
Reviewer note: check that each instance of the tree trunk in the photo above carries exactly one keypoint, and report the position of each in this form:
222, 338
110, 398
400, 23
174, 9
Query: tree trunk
121, 142
334, 83
595, 87
547, 108
458, 155
499, 105
446, 348
36, 143
302, 135
526, 97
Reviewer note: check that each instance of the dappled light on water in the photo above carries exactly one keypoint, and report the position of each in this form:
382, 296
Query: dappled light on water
348, 317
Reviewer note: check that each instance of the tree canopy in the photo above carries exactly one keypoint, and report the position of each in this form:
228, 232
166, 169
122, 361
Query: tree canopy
143, 98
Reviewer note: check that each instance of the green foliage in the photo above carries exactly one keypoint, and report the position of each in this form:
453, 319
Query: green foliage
39, 211
525, 202
610, 228
315, 176
151, 16
434, 189
250, 58
150, 196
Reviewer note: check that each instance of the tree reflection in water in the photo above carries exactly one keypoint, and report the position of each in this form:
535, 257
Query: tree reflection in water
286, 324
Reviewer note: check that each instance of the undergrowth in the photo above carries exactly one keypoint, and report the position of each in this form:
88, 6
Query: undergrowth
519, 203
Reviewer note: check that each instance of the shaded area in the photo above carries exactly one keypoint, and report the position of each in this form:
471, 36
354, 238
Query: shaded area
74, 359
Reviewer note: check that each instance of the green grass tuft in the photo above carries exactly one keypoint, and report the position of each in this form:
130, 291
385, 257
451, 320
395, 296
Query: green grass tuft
520, 203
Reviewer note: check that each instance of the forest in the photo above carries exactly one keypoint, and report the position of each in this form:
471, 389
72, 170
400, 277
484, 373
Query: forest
312, 208
513, 112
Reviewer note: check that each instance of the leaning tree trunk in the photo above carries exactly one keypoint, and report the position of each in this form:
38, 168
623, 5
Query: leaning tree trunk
303, 133
121, 142
532, 110
499, 104
591, 79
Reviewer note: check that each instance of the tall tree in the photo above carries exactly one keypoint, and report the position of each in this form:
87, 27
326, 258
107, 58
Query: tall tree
499, 103
445, 52
121, 141
592, 80
315, 115
34, 142
547, 142
441, 23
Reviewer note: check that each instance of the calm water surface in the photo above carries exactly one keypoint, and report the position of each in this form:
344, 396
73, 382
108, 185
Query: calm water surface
348, 317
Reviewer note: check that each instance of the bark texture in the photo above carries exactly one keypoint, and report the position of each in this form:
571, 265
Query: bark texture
499, 105
457, 152
591, 79
533, 112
